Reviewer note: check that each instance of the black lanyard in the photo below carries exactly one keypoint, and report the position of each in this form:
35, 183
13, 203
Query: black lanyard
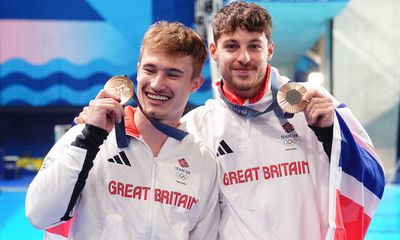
122, 140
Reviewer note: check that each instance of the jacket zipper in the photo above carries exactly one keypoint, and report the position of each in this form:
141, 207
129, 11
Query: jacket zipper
152, 195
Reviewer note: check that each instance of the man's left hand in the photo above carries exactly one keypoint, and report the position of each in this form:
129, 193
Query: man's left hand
319, 111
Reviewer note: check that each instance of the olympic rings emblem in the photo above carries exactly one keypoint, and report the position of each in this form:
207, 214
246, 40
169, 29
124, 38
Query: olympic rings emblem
290, 141
181, 176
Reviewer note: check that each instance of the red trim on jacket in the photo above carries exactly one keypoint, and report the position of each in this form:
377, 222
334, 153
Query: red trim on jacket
130, 126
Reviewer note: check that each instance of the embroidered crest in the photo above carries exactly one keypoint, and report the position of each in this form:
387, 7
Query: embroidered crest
288, 127
182, 162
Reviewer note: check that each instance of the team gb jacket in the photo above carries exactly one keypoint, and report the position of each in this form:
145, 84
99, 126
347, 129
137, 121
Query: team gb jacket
127, 193
276, 180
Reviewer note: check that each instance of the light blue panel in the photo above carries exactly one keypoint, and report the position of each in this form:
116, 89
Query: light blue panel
297, 25
130, 18
385, 224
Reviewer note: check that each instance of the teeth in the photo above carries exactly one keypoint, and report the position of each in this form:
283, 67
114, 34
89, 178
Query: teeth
158, 97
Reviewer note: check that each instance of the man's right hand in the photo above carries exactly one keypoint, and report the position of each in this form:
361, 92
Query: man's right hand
102, 112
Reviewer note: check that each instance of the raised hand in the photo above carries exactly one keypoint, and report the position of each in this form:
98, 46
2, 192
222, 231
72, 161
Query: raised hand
103, 111
320, 110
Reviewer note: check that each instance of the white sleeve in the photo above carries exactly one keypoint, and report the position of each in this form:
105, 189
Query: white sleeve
196, 123
208, 224
50, 192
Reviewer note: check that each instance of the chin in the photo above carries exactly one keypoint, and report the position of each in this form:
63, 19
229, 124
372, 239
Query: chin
153, 114
243, 86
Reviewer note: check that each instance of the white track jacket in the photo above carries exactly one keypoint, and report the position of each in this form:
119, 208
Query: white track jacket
276, 180
127, 194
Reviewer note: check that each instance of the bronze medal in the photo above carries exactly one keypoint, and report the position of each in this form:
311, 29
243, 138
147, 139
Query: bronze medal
120, 86
290, 97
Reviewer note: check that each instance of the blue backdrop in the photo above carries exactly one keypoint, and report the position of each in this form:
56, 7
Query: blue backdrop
60, 53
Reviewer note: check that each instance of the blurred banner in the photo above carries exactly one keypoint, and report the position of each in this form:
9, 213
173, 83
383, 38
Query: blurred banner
60, 53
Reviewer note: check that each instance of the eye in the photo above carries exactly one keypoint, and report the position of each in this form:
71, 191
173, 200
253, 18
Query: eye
174, 75
149, 70
255, 46
231, 46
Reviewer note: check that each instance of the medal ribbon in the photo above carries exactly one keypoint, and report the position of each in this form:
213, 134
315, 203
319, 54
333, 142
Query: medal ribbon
120, 134
122, 140
252, 113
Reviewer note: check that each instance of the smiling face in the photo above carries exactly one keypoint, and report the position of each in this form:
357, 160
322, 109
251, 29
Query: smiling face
243, 46
165, 82
242, 58
171, 58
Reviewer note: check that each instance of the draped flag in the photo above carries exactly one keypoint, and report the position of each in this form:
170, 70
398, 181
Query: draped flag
356, 179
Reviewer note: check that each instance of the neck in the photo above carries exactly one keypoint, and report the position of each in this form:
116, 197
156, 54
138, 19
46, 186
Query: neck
153, 137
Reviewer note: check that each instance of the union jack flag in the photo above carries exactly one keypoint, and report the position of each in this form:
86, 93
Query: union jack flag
357, 179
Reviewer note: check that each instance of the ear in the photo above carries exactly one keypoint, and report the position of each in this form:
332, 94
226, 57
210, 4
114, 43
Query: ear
213, 51
137, 66
196, 83
271, 48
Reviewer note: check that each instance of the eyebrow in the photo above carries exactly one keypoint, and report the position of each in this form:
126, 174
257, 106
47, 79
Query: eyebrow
148, 65
169, 70
230, 41
255, 40
236, 41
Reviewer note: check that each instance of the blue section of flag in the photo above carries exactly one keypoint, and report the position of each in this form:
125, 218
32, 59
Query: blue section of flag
360, 164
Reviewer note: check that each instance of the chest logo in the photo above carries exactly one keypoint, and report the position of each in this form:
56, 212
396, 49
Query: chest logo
223, 149
291, 138
182, 162
120, 159
288, 127
182, 171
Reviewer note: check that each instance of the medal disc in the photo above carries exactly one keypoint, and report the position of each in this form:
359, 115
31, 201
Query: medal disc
120, 86
290, 97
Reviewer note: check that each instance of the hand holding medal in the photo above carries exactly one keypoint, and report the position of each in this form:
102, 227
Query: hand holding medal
122, 87
318, 107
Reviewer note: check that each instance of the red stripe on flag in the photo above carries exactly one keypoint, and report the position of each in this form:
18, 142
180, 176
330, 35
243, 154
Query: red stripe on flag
351, 221
62, 229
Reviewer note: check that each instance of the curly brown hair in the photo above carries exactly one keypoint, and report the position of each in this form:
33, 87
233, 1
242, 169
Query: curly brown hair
247, 16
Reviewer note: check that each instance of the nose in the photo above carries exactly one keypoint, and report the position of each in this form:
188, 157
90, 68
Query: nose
244, 57
158, 82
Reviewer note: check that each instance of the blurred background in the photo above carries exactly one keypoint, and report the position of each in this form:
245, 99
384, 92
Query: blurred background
56, 55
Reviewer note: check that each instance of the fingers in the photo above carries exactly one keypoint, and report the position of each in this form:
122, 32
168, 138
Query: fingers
107, 97
78, 120
312, 93
103, 111
319, 111
107, 106
82, 117
106, 94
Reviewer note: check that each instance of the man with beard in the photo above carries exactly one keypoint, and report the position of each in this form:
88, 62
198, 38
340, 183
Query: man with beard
310, 176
